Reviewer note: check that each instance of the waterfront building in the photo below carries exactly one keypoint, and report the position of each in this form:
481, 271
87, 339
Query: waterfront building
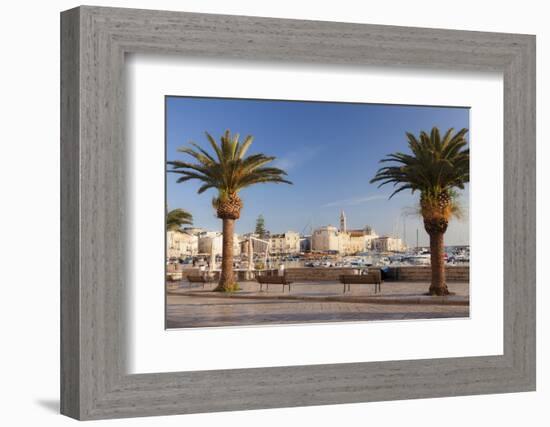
388, 244
361, 239
345, 243
284, 243
342, 240
212, 242
181, 244
358, 241
193, 230
327, 239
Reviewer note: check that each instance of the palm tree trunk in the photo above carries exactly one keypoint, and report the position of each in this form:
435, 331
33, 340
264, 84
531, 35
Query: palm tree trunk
227, 281
438, 285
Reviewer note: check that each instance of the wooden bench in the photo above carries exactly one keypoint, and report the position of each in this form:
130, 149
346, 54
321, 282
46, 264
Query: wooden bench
274, 280
372, 278
198, 279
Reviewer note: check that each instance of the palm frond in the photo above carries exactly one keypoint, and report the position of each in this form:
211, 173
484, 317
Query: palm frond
436, 164
228, 169
176, 218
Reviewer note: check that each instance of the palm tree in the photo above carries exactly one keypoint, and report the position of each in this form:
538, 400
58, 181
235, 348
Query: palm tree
436, 167
228, 170
176, 218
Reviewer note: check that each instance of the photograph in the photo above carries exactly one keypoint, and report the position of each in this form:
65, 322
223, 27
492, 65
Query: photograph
291, 211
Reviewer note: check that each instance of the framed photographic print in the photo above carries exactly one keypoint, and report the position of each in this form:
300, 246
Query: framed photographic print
330, 151
262, 213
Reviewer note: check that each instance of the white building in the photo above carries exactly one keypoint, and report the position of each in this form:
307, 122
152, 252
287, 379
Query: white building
342, 240
180, 244
328, 239
212, 242
284, 243
361, 239
388, 244
194, 230
357, 242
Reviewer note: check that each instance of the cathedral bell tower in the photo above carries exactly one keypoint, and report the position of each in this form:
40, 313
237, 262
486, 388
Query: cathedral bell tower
343, 226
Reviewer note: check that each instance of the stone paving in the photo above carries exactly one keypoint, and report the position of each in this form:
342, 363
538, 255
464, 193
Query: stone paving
191, 307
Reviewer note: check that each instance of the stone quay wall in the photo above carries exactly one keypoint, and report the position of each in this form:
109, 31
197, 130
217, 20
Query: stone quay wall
454, 273
330, 274
401, 274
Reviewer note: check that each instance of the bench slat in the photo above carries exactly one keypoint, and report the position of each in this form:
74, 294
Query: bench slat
273, 280
370, 278
280, 280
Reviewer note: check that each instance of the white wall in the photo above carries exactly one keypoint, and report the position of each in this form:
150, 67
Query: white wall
29, 172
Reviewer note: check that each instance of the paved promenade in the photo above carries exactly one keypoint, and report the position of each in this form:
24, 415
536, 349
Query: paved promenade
190, 307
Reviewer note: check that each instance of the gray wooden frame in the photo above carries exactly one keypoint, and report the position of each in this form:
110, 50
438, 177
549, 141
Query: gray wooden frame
94, 382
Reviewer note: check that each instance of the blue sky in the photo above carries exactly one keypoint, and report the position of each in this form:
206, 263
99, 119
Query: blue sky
330, 151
